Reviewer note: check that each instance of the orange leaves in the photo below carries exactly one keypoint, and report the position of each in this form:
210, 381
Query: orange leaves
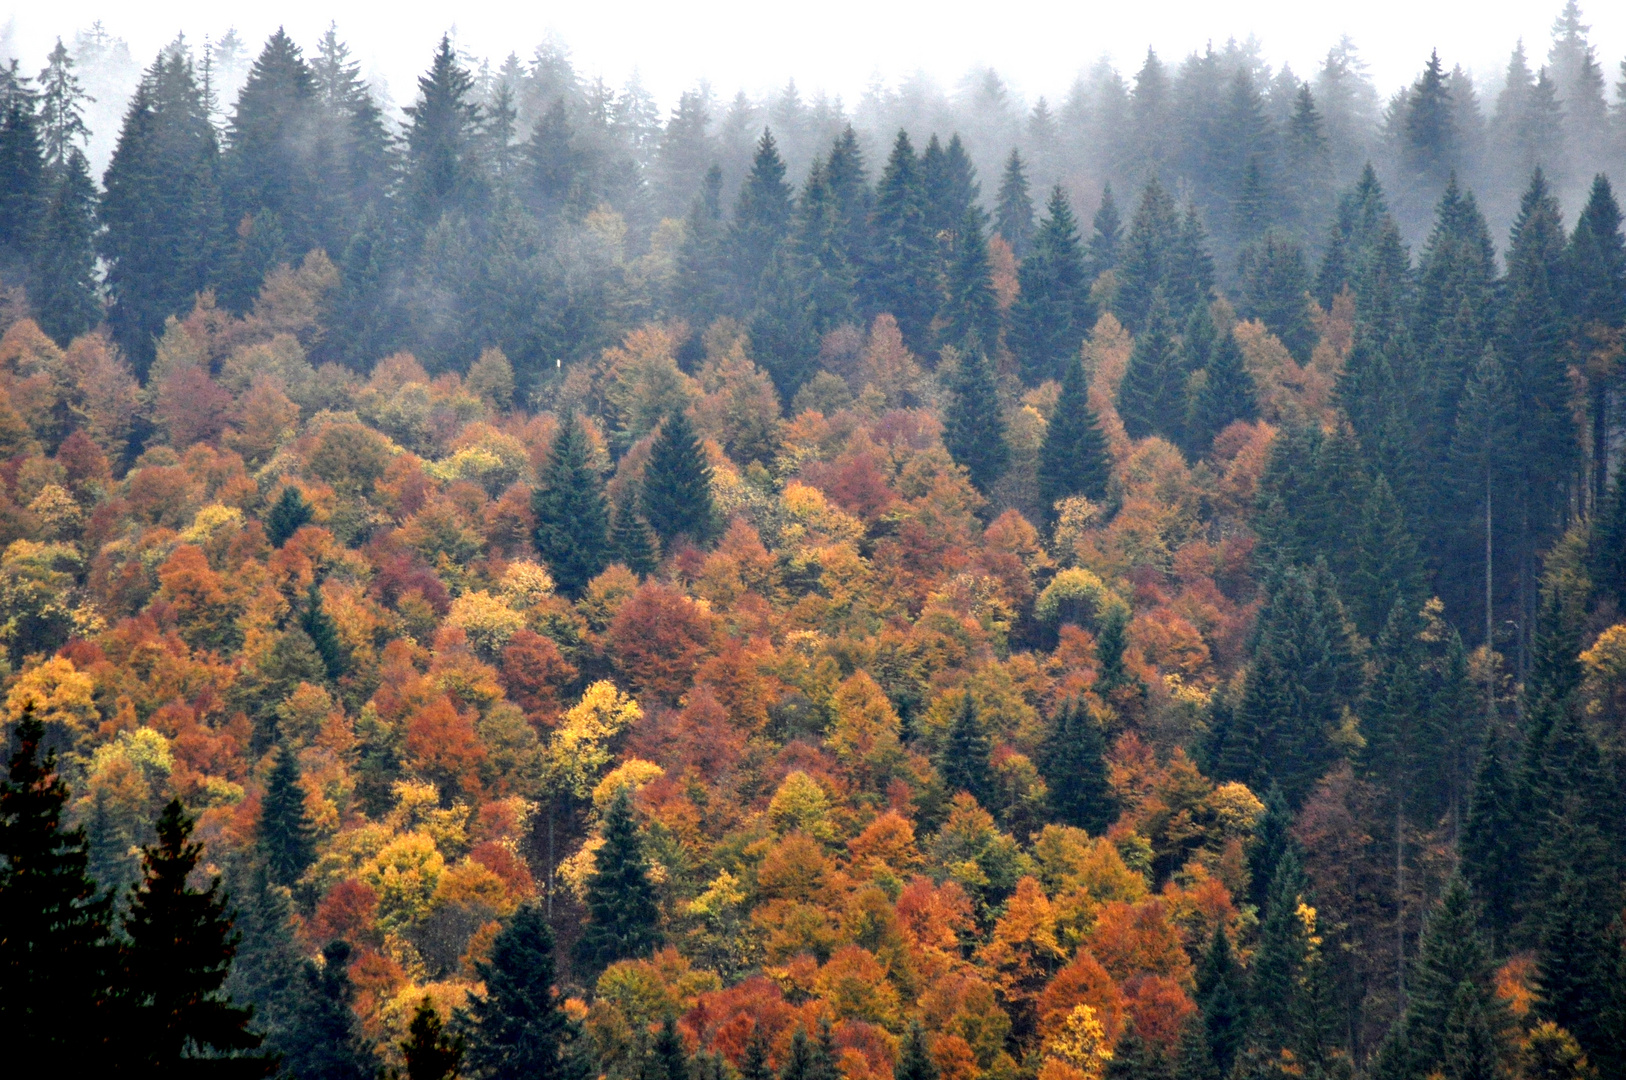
1135, 939
659, 637
886, 844
442, 746
1082, 982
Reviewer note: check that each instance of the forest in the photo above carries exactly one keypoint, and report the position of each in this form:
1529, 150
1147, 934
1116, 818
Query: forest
522, 585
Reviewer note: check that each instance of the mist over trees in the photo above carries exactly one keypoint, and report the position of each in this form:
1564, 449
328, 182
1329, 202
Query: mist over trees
528, 584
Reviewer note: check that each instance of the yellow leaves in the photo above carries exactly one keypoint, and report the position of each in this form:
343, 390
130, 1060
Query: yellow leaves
1082, 1043
525, 585
1023, 949
1074, 595
721, 897
405, 875
644, 384
855, 987
579, 749
487, 622
634, 773
800, 803
63, 697
865, 734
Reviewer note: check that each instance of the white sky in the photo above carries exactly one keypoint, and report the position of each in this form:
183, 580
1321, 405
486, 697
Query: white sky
841, 46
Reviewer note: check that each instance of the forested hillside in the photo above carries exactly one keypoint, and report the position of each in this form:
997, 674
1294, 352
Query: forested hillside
521, 587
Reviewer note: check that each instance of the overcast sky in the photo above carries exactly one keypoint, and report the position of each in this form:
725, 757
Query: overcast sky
841, 46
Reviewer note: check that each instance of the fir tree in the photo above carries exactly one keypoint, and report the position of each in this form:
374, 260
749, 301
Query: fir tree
755, 1064
676, 494
1075, 770
442, 170
826, 279
56, 957
1596, 298
572, 521
1193, 1058
177, 953
917, 1062
1101, 254
1279, 959
970, 313
1272, 837
518, 1027
323, 1037
1222, 999
430, 1052
973, 427
1073, 458
286, 835
1013, 215
901, 276
23, 178
1051, 313
762, 221
1388, 566
964, 763
668, 1057
1145, 257
324, 634
1151, 398
1114, 681
623, 919
631, 538
700, 288
63, 276
1276, 291
1451, 991
287, 516
61, 116
1225, 395
853, 200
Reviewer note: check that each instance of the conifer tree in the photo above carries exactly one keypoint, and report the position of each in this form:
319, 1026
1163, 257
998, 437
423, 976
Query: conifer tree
1101, 254
1222, 999
1491, 853
825, 279
1151, 398
853, 200
164, 228
287, 516
61, 115
970, 312
1451, 992
56, 956
324, 633
668, 1057
676, 494
1272, 837
1051, 313
973, 427
63, 275
1226, 394
623, 919
1595, 290
1013, 215
1073, 458
442, 170
429, 1050
285, 833
1388, 567
631, 539
518, 1027
23, 177
1146, 257
755, 1065
916, 1062
1276, 291
572, 521
964, 763
902, 277
1075, 770
762, 221
322, 1035
1279, 959
1114, 681
176, 955
1193, 1058
1135, 1057
701, 287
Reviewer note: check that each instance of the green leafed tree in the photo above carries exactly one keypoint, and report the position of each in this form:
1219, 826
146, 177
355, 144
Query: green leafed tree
572, 520
623, 918
676, 498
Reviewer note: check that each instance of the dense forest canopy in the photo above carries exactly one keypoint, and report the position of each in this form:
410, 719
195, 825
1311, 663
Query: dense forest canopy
1128, 588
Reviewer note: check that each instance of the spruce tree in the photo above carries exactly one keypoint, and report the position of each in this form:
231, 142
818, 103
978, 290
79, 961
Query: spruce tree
1146, 256
1388, 567
23, 177
1151, 398
701, 287
826, 280
572, 521
853, 200
287, 516
1227, 393
1276, 291
322, 1035
1595, 295
1222, 997
63, 276
676, 494
917, 1062
177, 952
762, 221
1114, 681
668, 1057
286, 835
429, 1050
1051, 313
1451, 987
518, 1027
441, 164
973, 427
1101, 254
964, 763
631, 539
56, 956
1013, 214
902, 278
623, 919
324, 634
1075, 770
1073, 458
1278, 961
61, 115
970, 312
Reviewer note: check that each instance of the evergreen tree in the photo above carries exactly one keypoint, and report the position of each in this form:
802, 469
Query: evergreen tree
324, 634
1429, 140
970, 313
1106, 234
1073, 458
1388, 567
63, 276
61, 115
755, 1065
1276, 291
323, 1036
176, 955
826, 280
762, 221
442, 167
973, 427
430, 1052
1051, 313
917, 1062
668, 1057
1193, 1059
1451, 999
1013, 216
1226, 394
902, 279
1136, 1058
1151, 398
23, 177
287, 515
700, 289
56, 958
572, 520
631, 539
850, 192
164, 229
623, 919
677, 484
1222, 999
286, 835
964, 763
1075, 770
1114, 681
518, 1027
1278, 961
1596, 298
1190, 280
1146, 257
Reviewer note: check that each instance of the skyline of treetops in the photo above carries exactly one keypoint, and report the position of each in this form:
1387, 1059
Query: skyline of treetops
1127, 588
